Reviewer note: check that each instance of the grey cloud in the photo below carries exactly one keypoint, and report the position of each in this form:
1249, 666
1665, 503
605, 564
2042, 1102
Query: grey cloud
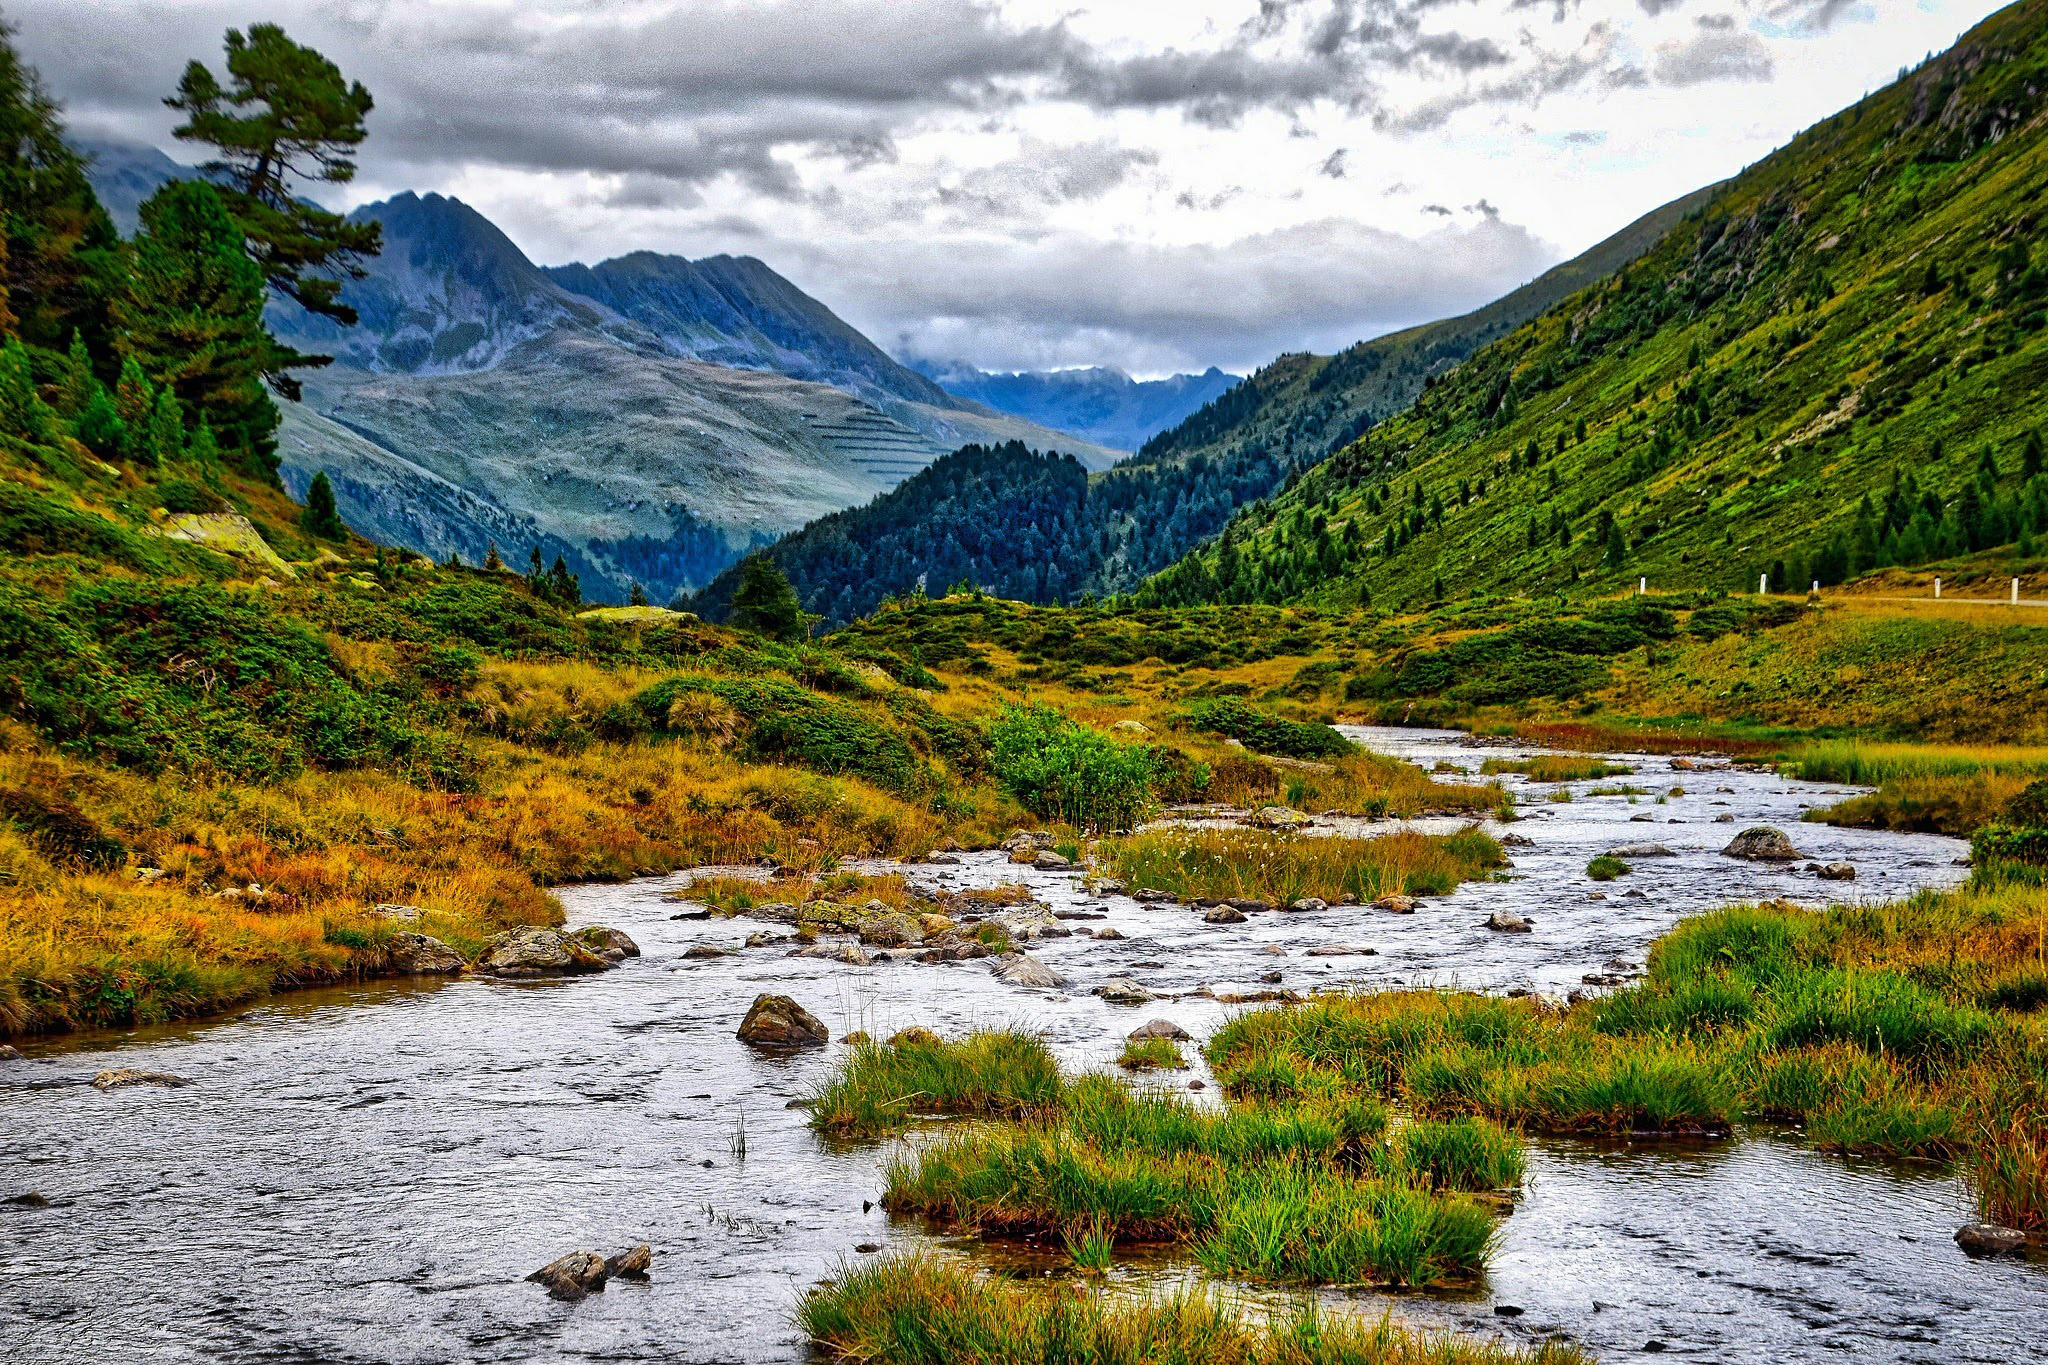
1811, 17
1442, 210
1333, 164
1483, 208
1714, 56
1066, 299
1045, 177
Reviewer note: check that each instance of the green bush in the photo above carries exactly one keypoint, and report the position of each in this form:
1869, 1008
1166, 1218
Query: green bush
180, 496
1606, 869
1062, 770
1265, 733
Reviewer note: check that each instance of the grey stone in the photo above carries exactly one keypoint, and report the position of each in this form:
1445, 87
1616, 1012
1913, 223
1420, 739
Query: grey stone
1309, 903
632, 1263
128, 1076
1157, 1028
852, 954
1503, 922
1989, 1239
1762, 844
778, 1021
1121, 990
1224, 914
536, 951
1022, 969
1837, 872
421, 955
1640, 851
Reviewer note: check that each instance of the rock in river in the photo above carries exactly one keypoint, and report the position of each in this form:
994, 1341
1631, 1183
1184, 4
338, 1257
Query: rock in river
632, 1263
1989, 1239
1022, 969
1395, 904
1157, 1028
127, 1076
1836, 872
609, 944
1223, 914
1761, 844
1501, 921
852, 954
1640, 851
573, 1276
535, 951
778, 1021
1309, 903
421, 955
1121, 990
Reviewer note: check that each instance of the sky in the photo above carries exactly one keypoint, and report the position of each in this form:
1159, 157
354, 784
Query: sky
1154, 185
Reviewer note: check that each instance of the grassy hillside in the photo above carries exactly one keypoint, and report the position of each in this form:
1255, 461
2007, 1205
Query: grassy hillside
1831, 366
1108, 532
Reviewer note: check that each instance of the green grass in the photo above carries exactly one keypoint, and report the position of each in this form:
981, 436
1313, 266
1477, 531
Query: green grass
1152, 1054
919, 1310
1458, 1154
1556, 767
1279, 868
1606, 869
1003, 1075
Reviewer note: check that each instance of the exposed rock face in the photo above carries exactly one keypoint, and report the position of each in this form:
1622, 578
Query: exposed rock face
1022, 969
420, 955
574, 1276
127, 1076
1989, 1239
1761, 844
535, 951
1640, 851
778, 1021
1500, 921
1157, 1028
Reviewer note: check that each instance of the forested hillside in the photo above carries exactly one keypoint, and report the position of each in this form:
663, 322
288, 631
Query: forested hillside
1835, 365
1178, 491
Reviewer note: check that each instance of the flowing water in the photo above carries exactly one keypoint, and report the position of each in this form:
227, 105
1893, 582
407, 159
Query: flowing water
368, 1174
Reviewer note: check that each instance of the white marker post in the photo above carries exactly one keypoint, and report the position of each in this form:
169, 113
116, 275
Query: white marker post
1643, 587
1937, 589
2015, 592
1816, 587
1763, 584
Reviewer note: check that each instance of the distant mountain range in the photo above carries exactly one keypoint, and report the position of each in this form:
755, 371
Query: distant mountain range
1043, 531
650, 417
1105, 406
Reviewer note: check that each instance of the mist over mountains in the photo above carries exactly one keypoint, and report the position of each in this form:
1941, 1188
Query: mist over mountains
1105, 406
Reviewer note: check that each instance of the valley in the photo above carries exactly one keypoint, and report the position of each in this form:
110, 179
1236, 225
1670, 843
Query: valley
621, 820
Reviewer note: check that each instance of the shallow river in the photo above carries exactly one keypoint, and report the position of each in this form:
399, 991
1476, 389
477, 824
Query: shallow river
367, 1174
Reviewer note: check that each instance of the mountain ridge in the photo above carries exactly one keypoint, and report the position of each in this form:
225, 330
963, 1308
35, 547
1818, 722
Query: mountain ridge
1102, 404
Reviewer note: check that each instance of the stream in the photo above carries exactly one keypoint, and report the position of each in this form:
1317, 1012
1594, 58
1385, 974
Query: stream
367, 1174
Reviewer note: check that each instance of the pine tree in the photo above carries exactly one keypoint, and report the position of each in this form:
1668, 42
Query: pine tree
286, 114
192, 317
564, 589
764, 601
78, 385
166, 429
22, 410
2031, 456
1617, 546
638, 596
320, 517
135, 403
59, 252
99, 426
493, 564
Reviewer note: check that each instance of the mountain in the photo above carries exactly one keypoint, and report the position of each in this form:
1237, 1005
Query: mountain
1106, 406
1834, 364
649, 414
1180, 489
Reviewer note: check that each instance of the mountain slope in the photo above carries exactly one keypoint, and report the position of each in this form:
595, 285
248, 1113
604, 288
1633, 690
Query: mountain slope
1178, 491
1836, 364
1105, 406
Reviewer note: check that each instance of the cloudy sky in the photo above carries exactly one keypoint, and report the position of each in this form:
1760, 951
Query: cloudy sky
1151, 184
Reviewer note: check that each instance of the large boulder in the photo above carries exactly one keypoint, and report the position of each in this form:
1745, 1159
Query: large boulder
1022, 969
1762, 844
535, 951
1157, 1028
1223, 914
574, 1276
778, 1021
1049, 861
420, 955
